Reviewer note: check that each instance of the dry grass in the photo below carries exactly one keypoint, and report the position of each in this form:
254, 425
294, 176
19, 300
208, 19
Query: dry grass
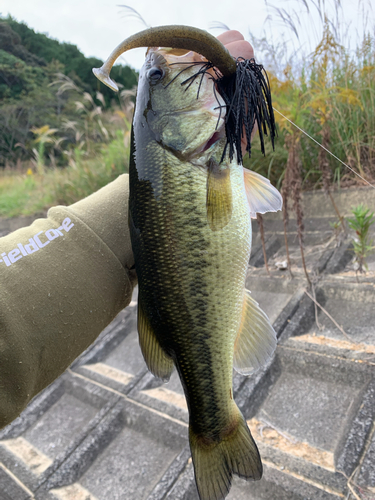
28, 192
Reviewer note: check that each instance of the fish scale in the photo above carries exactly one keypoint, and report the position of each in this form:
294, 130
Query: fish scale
190, 225
189, 219
185, 267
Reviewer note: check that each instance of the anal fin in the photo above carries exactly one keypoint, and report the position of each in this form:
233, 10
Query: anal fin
158, 362
256, 339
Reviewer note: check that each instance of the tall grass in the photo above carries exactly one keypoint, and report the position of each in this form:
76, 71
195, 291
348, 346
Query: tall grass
328, 92
16, 191
94, 149
84, 177
30, 192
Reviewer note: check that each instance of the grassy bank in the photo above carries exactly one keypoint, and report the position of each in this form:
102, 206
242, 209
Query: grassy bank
29, 190
329, 93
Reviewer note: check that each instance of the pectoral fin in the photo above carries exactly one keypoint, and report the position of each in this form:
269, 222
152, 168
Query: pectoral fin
256, 339
262, 197
158, 362
219, 196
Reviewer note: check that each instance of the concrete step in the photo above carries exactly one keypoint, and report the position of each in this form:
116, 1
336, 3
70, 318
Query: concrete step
107, 429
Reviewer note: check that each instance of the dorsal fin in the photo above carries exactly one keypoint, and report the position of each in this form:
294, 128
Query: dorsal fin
256, 339
262, 197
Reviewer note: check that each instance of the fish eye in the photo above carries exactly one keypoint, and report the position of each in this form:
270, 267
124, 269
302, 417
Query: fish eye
155, 73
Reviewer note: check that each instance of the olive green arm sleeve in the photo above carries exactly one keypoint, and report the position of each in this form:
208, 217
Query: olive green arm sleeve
62, 280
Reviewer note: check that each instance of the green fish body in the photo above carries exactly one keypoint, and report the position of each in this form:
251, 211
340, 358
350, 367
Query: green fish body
190, 225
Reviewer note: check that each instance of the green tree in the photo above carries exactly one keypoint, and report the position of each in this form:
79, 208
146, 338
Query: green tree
76, 65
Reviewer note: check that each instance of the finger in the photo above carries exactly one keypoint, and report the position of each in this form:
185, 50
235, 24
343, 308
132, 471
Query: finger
240, 48
230, 36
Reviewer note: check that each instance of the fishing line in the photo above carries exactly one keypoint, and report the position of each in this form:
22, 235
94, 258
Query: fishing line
321, 145
235, 106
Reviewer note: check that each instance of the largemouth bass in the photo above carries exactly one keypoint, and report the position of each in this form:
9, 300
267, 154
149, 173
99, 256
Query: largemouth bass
190, 212
191, 236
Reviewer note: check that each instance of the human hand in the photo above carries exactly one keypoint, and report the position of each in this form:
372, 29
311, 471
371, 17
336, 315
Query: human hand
236, 44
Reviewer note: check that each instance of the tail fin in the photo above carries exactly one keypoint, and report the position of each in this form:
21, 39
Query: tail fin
215, 462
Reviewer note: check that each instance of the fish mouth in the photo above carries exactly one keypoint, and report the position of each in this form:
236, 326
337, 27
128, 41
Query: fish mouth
218, 134
216, 108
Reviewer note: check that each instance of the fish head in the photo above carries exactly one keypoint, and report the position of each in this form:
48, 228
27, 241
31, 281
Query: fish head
178, 103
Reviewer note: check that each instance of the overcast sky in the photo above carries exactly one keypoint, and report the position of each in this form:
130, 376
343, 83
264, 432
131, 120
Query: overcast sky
97, 26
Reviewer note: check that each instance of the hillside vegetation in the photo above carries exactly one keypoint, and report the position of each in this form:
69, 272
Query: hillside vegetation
330, 95
41, 82
63, 134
